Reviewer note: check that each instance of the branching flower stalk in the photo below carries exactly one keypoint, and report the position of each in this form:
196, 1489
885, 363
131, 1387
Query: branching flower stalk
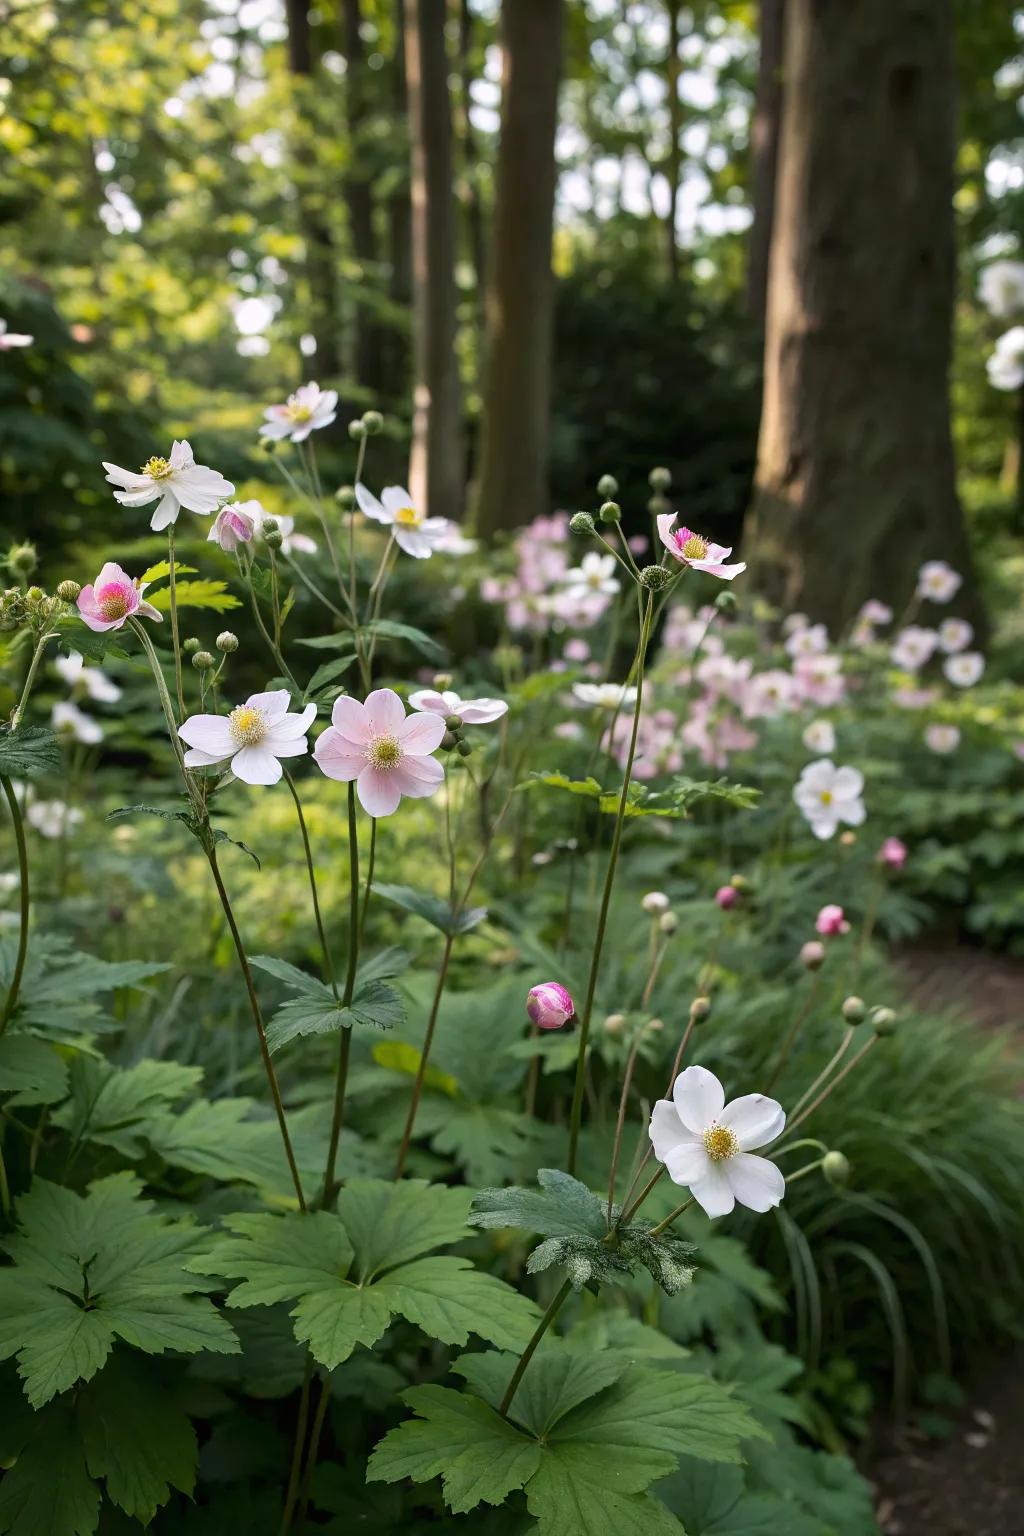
175, 640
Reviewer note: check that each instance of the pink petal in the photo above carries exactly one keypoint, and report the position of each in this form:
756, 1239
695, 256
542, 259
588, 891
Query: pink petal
724, 572
430, 700
412, 781
351, 719
385, 712
337, 757
255, 765
421, 734
379, 792
483, 711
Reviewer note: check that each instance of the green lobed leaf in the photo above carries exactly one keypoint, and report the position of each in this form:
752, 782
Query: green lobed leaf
136, 1438
561, 1206
31, 1071
204, 593
109, 1105
30, 750
48, 1490
388, 629
432, 909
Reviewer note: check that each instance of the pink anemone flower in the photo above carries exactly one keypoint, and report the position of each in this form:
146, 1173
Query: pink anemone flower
470, 711
387, 753
831, 920
113, 597
253, 736
698, 553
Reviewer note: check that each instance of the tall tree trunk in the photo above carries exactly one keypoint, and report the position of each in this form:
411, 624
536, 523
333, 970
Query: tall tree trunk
367, 355
764, 151
321, 271
520, 299
399, 236
855, 481
436, 470
471, 160
674, 158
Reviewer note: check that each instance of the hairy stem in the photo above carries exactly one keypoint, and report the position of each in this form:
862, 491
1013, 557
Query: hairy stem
11, 1000
30, 677
175, 641
528, 1353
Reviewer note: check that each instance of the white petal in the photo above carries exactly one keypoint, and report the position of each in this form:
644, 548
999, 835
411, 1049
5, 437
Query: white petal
195, 759
430, 700
483, 711
413, 542
714, 1192
666, 1130
755, 1119
371, 507
394, 498
757, 1183
166, 513
385, 712
379, 792
699, 1098
255, 765
688, 1163
272, 706
210, 733
289, 727
848, 784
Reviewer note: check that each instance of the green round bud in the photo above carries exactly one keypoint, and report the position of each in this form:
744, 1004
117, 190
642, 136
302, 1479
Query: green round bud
655, 578
836, 1168
273, 538
883, 1021
345, 496
700, 1009
442, 680
726, 602
203, 661
581, 522
34, 595
615, 1023
453, 722
267, 445
659, 479
668, 922
609, 512
22, 560
191, 645
373, 421
449, 741
463, 748
854, 1010
227, 642
740, 883
357, 430
68, 591
658, 505
607, 487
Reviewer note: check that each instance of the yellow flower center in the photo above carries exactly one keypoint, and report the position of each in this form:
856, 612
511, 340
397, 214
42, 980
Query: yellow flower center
297, 412
409, 517
826, 797
113, 604
720, 1143
156, 469
384, 752
248, 726
695, 547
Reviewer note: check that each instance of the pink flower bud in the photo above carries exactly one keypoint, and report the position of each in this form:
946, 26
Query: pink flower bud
830, 920
812, 955
549, 1005
893, 853
727, 896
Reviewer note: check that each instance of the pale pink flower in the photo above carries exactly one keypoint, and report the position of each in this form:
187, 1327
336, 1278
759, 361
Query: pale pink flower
178, 481
768, 694
893, 853
965, 669
914, 647
411, 529
830, 921
874, 612
938, 581
112, 598
470, 711
706, 1144
549, 1005
698, 553
726, 896
302, 413
809, 640
254, 736
955, 635
914, 698
819, 680
387, 754
232, 526
942, 738
576, 650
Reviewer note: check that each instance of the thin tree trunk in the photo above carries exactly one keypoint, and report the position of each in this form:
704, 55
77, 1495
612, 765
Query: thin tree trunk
855, 482
435, 465
674, 158
471, 161
513, 480
764, 151
399, 237
321, 271
367, 355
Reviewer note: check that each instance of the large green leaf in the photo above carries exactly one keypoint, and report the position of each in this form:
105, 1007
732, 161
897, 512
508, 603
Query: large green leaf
48, 1490
204, 593
136, 1438
439, 914
110, 1105
313, 1009
28, 751
60, 988
31, 1071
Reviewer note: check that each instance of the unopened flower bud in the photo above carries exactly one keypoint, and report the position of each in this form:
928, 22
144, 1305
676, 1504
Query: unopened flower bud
581, 522
812, 955
615, 1023
270, 528
668, 922
655, 578
854, 1010
203, 661
453, 722
700, 1009
655, 902
227, 642
847, 839
191, 645
67, 591
609, 512
443, 681
655, 1026
34, 595
357, 430
549, 1005
836, 1168
739, 883
267, 445
727, 896
373, 421
463, 748
22, 560
659, 479
345, 496
726, 601
883, 1021
607, 486
449, 741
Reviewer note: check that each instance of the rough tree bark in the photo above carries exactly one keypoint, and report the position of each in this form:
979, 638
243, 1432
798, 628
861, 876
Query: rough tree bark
512, 484
674, 159
436, 470
470, 156
764, 152
367, 353
321, 270
855, 482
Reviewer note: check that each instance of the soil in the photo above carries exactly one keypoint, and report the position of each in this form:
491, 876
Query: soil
972, 1482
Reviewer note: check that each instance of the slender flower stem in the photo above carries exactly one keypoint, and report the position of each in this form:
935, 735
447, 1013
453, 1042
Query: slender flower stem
794, 1029
345, 1041
801, 1173
826, 1072
670, 1218
175, 641
5, 1188
11, 1001
257, 1015
275, 650
621, 1121
295, 1471
318, 915
371, 860
168, 709
421, 1071
314, 1446
313, 589
684, 1042
630, 1211
833, 1085
30, 677
275, 599
609, 880
528, 1353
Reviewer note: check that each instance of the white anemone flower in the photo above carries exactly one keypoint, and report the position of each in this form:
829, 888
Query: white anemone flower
605, 695
89, 680
52, 818
942, 739
411, 529
470, 711
1001, 288
1005, 366
955, 635
913, 647
309, 409
827, 795
706, 1144
595, 573
820, 737
455, 542
254, 736
11, 339
178, 481
963, 671
938, 581
74, 724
